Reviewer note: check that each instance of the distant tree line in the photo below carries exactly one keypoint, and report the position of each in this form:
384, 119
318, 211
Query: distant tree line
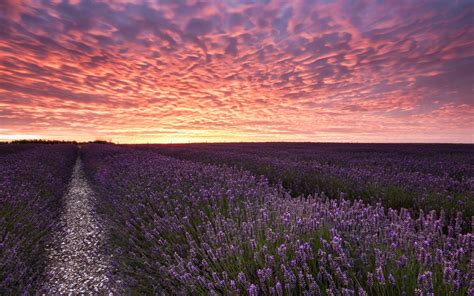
40, 141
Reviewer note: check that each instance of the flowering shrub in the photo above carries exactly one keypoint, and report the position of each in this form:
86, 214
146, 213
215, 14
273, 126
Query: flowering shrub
32, 182
180, 227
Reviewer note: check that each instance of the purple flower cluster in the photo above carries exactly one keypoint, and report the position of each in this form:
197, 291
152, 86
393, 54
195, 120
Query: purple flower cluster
400, 176
32, 182
180, 227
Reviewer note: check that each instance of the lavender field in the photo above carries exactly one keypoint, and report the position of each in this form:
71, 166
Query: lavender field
248, 219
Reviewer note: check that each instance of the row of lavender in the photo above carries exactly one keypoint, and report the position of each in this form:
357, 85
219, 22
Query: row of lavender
8, 148
400, 176
33, 178
180, 227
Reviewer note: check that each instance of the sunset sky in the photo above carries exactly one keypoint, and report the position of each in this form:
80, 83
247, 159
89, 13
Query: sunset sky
229, 70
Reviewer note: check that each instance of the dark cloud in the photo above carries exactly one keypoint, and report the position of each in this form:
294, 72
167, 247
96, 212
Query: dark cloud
199, 27
232, 47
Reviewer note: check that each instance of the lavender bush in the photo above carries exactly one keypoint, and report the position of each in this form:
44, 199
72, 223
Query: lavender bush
179, 227
32, 182
400, 176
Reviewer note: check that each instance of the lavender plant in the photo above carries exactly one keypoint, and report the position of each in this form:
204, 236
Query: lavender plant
179, 227
32, 182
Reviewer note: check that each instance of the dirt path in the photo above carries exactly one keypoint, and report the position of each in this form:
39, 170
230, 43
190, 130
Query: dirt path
76, 262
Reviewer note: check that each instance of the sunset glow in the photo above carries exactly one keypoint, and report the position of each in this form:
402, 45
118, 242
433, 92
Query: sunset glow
262, 70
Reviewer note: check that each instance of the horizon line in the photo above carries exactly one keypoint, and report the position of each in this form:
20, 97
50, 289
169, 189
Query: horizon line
19, 141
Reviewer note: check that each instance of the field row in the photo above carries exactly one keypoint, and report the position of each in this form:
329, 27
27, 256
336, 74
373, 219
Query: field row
416, 177
33, 180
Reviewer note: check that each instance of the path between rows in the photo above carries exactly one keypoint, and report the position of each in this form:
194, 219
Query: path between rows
77, 264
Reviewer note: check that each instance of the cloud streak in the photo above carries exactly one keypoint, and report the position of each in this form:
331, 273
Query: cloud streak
183, 70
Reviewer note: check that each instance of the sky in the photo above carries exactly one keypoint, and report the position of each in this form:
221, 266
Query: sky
251, 70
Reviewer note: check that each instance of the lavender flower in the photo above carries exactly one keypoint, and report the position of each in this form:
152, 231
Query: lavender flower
379, 275
253, 291
279, 289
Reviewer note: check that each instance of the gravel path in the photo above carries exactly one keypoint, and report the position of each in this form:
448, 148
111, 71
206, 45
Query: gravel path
76, 262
